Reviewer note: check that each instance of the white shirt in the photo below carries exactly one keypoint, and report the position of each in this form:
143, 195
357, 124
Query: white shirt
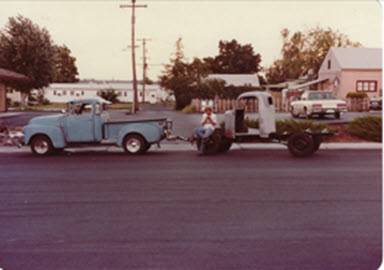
209, 124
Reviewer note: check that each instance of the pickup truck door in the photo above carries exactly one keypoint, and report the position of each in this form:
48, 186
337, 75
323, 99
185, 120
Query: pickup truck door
80, 127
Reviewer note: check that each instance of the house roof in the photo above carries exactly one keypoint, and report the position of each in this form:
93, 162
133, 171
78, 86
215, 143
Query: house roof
100, 86
237, 79
306, 84
358, 58
8, 75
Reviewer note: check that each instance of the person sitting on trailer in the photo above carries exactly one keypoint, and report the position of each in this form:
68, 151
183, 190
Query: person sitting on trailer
208, 125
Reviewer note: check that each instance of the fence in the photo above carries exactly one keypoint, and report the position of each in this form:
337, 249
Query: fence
358, 104
222, 105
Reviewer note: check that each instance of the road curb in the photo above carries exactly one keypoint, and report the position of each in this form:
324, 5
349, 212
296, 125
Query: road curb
189, 147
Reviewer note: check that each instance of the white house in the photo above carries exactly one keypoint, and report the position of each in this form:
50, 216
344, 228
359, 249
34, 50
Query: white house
237, 79
64, 92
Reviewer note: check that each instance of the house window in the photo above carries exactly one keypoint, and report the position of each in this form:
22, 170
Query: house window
82, 93
329, 64
64, 92
125, 93
366, 86
54, 92
72, 93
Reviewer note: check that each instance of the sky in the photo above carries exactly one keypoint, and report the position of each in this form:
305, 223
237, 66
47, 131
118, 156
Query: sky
98, 32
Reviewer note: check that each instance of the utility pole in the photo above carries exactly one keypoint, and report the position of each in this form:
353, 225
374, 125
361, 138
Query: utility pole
145, 64
133, 7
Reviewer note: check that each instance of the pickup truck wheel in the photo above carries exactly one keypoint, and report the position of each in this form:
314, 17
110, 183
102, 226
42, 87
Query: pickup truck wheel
134, 144
301, 145
41, 145
337, 115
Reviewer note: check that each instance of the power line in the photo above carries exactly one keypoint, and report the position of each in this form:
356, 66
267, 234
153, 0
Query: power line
133, 7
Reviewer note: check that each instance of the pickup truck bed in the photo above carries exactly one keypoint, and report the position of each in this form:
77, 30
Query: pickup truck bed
112, 128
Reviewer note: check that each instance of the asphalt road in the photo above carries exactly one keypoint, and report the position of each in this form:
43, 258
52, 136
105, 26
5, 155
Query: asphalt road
176, 210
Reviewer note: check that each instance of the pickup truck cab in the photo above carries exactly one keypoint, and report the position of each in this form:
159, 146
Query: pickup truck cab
319, 103
86, 122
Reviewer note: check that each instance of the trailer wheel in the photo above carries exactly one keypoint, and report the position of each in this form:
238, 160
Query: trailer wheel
225, 145
301, 145
316, 142
134, 144
41, 145
212, 144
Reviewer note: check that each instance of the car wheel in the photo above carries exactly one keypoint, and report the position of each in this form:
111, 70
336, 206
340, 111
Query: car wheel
337, 115
301, 145
134, 144
41, 145
307, 115
294, 115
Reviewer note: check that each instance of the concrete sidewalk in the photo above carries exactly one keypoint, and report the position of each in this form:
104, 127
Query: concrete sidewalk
189, 147
9, 114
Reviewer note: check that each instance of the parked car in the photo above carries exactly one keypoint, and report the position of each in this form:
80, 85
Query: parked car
319, 103
375, 103
86, 122
234, 129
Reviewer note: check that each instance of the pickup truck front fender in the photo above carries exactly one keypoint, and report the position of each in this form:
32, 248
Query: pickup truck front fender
54, 133
152, 133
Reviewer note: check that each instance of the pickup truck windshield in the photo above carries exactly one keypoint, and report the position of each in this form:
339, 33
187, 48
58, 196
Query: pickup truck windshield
78, 109
320, 95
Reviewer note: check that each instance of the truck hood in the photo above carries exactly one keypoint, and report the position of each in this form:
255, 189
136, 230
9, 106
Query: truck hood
48, 120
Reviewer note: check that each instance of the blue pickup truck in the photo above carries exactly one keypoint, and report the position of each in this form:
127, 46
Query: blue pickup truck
86, 122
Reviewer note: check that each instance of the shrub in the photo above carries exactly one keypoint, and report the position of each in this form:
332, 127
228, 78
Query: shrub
251, 123
290, 126
356, 95
189, 109
366, 127
109, 95
45, 101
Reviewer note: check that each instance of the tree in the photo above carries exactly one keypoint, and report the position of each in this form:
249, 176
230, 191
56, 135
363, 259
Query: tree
188, 80
65, 65
303, 52
182, 77
26, 48
234, 58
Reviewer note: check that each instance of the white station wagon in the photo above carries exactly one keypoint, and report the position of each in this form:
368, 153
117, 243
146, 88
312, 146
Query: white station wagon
319, 103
